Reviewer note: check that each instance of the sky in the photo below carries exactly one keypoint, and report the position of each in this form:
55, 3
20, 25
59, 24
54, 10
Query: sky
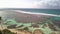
47, 4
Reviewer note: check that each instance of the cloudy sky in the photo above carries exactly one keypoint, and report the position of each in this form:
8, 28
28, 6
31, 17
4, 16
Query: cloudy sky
55, 4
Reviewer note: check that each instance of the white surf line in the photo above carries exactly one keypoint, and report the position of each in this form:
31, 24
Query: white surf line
35, 13
38, 13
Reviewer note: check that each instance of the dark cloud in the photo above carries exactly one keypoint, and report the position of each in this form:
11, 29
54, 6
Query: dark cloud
53, 4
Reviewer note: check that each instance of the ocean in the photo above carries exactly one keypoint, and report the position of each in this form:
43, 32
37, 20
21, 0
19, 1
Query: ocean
48, 11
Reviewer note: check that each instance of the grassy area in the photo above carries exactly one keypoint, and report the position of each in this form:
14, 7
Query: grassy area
45, 27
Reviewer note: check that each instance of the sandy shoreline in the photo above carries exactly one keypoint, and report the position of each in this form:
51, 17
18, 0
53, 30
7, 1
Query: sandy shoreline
21, 16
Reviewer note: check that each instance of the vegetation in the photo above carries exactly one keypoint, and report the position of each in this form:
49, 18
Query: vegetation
6, 31
45, 27
0, 32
